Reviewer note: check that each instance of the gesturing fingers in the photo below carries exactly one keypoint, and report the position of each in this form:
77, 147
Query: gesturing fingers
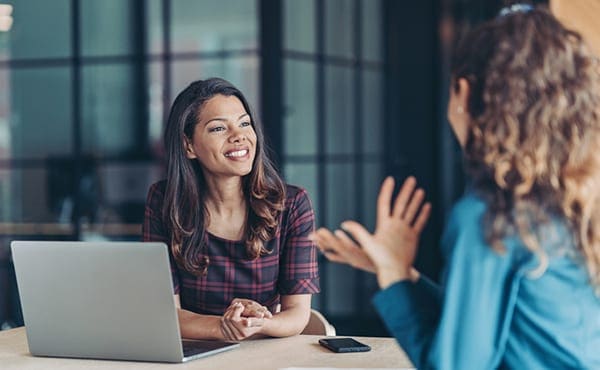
413, 206
384, 200
422, 218
403, 198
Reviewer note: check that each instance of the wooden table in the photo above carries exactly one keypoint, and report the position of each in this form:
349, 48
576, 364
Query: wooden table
260, 354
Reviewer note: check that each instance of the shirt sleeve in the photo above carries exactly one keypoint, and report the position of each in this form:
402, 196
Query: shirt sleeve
471, 328
298, 270
154, 229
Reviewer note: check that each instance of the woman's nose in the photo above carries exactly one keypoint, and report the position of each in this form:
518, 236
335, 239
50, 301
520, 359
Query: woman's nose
237, 136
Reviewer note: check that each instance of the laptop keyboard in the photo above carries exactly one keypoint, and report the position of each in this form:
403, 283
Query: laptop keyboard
194, 347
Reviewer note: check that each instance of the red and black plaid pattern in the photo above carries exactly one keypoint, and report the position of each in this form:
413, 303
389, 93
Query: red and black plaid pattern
290, 269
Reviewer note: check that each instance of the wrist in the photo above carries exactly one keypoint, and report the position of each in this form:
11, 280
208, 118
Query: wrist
387, 277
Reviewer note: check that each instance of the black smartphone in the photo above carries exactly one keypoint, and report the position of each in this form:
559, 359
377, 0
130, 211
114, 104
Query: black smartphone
342, 345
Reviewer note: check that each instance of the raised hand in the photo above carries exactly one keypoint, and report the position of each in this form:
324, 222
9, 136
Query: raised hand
393, 246
338, 247
390, 251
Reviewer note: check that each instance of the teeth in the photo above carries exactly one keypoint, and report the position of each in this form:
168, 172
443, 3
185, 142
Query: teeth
239, 153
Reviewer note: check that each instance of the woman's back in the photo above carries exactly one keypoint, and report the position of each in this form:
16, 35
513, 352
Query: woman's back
499, 305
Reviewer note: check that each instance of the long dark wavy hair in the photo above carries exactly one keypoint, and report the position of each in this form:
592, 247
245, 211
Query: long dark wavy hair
533, 143
184, 204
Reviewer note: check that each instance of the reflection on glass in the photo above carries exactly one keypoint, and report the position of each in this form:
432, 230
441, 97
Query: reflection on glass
339, 27
339, 125
372, 110
40, 29
299, 25
109, 117
300, 117
107, 28
41, 112
213, 25
242, 72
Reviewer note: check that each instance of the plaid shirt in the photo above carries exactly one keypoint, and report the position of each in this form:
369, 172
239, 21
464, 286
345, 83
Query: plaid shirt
290, 269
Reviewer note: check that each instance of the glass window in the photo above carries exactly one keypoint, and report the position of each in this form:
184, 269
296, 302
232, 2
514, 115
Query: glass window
40, 29
340, 289
305, 176
242, 72
213, 25
155, 26
341, 193
340, 127
372, 24
123, 188
107, 27
372, 177
372, 110
37, 195
339, 28
300, 117
299, 25
5, 107
109, 117
40, 112
156, 111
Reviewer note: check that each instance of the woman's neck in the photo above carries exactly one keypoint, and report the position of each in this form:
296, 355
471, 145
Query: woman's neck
225, 197
227, 208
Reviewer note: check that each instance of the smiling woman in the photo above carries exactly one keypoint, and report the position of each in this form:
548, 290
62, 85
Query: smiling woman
237, 235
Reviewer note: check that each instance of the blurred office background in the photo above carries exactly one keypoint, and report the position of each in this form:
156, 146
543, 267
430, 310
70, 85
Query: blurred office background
349, 91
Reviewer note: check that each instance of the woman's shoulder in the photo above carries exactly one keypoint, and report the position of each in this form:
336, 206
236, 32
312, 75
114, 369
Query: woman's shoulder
297, 199
468, 207
156, 192
159, 186
294, 192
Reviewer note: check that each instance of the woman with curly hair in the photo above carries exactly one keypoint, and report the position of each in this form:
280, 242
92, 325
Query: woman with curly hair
522, 247
241, 260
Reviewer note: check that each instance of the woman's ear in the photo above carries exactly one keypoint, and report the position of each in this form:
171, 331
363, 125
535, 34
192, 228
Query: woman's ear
458, 114
189, 149
463, 90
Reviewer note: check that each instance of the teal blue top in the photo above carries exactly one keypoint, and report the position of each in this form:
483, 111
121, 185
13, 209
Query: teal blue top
496, 310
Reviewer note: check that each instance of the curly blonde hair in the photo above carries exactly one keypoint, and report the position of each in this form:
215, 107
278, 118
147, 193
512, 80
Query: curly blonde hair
533, 146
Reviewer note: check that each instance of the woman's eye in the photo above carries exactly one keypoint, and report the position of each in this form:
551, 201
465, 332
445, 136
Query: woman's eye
245, 124
216, 129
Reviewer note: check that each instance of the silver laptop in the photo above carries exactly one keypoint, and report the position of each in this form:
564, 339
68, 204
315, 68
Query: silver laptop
108, 300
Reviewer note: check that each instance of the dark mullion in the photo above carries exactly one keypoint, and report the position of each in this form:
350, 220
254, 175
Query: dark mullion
332, 60
112, 159
126, 58
77, 115
359, 283
141, 98
271, 74
166, 59
321, 122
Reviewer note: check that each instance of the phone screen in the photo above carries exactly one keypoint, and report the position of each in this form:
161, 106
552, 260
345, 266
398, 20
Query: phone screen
344, 345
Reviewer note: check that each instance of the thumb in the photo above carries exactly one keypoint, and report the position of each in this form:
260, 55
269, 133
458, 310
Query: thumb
358, 232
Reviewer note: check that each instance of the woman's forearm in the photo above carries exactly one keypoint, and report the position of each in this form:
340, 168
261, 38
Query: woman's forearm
288, 322
197, 326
